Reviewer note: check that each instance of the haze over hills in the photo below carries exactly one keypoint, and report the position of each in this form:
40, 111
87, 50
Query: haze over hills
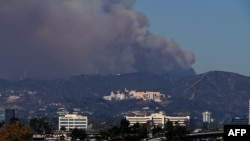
225, 94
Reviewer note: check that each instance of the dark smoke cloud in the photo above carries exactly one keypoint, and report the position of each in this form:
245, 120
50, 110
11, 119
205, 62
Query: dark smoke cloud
60, 38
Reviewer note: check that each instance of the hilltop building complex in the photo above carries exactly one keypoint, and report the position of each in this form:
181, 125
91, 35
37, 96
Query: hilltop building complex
148, 95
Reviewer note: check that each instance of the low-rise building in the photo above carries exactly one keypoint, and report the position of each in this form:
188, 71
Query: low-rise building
240, 121
158, 119
71, 121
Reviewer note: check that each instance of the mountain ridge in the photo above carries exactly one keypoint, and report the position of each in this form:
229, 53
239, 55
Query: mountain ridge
224, 94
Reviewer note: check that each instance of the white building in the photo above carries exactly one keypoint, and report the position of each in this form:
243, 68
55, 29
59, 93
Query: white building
148, 95
120, 96
113, 96
71, 121
158, 119
206, 117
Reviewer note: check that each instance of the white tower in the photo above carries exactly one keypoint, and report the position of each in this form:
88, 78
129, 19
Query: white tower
206, 117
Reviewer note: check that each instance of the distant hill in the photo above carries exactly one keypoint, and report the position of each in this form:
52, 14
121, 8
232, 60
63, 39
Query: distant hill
225, 94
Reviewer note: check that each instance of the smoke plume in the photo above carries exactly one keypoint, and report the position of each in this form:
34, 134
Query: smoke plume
60, 38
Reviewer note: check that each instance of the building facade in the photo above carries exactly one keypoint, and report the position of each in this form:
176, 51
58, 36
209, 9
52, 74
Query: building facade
158, 119
9, 114
148, 95
72, 121
240, 121
206, 117
2, 115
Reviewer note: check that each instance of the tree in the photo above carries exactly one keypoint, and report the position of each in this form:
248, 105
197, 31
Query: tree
105, 133
63, 128
125, 132
143, 131
174, 133
135, 128
1, 124
78, 134
124, 126
115, 130
40, 125
14, 120
62, 138
15, 132
156, 130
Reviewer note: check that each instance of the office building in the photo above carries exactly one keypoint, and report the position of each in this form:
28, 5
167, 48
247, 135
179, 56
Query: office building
9, 115
2, 117
72, 121
158, 119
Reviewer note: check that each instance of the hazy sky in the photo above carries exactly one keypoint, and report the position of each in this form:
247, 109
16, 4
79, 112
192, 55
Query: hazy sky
216, 31
61, 38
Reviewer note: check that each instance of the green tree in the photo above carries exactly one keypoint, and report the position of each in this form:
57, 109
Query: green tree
125, 132
39, 125
174, 133
156, 130
105, 133
63, 128
124, 126
135, 128
115, 130
143, 131
78, 134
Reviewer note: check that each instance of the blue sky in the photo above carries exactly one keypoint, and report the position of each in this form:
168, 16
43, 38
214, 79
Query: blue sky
216, 31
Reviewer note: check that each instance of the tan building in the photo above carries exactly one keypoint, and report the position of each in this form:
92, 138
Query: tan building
148, 95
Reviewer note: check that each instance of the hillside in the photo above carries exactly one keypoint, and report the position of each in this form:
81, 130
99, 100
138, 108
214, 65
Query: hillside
224, 94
